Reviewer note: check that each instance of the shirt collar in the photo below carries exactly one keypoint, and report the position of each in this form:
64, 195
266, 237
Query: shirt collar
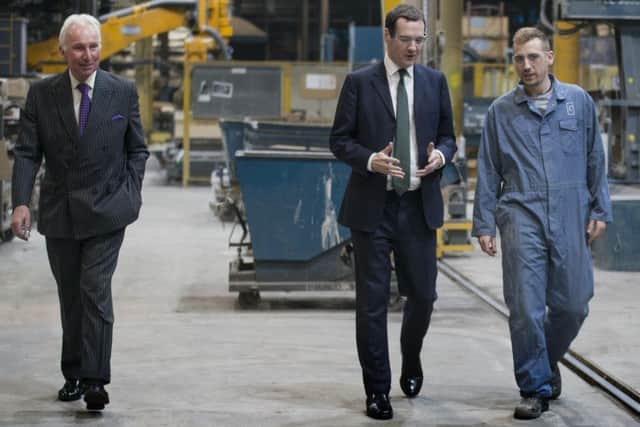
91, 80
392, 68
558, 89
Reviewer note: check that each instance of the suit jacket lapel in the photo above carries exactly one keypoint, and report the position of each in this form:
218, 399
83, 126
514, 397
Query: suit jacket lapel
381, 86
100, 102
423, 95
64, 102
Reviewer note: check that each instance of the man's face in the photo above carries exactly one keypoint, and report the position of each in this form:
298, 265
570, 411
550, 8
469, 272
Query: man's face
404, 47
532, 62
81, 50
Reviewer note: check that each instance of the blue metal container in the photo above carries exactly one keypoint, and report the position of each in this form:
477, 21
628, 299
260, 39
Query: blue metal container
232, 140
619, 247
291, 200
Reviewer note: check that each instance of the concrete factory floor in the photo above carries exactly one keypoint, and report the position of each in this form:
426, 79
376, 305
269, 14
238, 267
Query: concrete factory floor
185, 354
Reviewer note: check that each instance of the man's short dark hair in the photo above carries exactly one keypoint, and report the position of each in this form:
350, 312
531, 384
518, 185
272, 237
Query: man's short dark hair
408, 12
526, 34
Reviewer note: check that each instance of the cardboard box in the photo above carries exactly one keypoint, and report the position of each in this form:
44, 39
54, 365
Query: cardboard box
199, 129
5, 165
485, 26
17, 88
489, 48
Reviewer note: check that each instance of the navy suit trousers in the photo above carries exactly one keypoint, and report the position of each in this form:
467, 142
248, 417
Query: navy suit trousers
404, 233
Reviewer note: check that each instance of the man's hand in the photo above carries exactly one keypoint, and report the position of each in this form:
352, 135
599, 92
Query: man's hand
21, 222
434, 162
488, 245
383, 163
595, 229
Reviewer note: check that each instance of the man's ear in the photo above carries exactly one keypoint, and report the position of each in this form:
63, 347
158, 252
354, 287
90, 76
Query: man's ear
550, 57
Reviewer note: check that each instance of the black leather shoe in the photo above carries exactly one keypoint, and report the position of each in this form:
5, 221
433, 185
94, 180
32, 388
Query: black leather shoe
531, 407
96, 397
411, 380
410, 385
556, 382
379, 407
70, 391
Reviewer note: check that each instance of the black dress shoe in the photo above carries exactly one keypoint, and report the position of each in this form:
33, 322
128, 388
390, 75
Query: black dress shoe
531, 407
379, 407
70, 391
96, 397
410, 385
556, 382
411, 380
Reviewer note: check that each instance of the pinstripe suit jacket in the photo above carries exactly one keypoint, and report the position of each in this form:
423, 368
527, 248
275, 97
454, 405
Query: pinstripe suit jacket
92, 182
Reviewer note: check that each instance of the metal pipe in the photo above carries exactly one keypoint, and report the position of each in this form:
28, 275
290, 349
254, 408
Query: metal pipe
304, 51
324, 28
430, 49
227, 51
148, 5
451, 20
566, 65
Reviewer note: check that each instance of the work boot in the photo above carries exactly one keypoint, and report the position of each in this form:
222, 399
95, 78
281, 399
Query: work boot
531, 407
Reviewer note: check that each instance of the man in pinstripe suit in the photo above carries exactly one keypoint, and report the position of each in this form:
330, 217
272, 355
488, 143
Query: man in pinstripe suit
86, 125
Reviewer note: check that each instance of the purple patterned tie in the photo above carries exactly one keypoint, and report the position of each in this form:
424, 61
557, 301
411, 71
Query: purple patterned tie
85, 106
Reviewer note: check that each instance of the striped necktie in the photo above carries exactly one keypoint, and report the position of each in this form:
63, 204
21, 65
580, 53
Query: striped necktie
85, 106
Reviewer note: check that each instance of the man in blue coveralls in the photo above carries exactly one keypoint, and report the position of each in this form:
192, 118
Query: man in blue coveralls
542, 180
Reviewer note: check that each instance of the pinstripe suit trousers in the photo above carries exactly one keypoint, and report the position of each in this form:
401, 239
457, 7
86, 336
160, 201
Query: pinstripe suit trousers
83, 270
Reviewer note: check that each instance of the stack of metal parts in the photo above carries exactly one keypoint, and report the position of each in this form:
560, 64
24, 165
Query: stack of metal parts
9, 91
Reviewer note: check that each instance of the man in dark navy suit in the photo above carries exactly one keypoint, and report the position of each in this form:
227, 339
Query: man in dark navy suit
394, 127
85, 123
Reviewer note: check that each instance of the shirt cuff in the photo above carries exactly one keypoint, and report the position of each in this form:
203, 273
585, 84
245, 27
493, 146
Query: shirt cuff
370, 161
439, 153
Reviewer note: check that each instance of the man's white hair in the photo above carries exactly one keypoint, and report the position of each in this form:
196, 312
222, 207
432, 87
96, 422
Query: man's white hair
80, 19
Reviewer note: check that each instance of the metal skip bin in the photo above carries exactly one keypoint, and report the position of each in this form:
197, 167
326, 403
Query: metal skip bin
263, 134
619, 248
270, 134
291, 201
232, 140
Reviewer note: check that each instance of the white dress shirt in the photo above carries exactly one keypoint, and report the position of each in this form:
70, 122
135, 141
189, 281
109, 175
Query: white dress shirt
393, 77
77, 95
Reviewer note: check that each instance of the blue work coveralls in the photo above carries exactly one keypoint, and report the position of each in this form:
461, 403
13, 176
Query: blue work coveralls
541, 178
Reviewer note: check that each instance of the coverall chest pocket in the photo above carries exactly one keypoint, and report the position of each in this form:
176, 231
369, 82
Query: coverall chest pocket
569, 136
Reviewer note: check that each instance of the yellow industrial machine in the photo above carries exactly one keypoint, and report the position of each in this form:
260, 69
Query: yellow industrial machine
209, 19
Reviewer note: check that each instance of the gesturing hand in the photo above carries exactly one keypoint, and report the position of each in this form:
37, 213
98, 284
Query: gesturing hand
434, 161
383, 163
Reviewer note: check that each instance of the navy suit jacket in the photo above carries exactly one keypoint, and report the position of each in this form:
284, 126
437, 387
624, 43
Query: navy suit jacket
365, 123
92, 182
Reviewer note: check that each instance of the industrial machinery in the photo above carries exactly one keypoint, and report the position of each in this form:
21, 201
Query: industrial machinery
623, 108
13, 93
617, 249
209, 20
